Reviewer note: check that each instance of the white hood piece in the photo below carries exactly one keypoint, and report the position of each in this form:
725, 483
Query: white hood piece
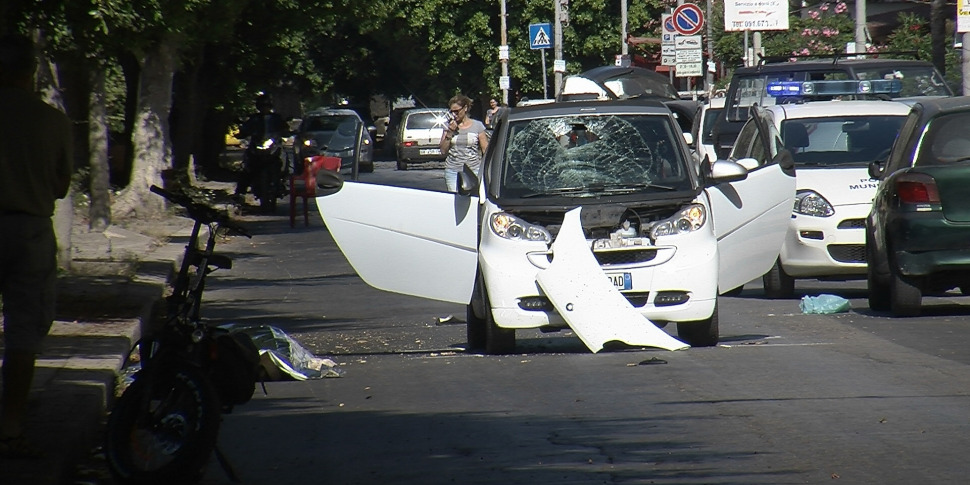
590, 304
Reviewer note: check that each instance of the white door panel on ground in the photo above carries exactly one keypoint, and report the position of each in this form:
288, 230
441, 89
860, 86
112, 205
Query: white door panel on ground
588, 301
751, 218
409, 241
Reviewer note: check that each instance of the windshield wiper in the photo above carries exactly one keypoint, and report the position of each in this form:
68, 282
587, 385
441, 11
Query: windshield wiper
598, 188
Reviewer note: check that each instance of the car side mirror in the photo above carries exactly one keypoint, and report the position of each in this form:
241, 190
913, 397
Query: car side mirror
689, 138
467, 181
876, 169
727, 171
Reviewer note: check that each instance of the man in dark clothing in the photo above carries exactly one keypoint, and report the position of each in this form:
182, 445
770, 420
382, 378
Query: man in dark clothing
261, 125
35, 170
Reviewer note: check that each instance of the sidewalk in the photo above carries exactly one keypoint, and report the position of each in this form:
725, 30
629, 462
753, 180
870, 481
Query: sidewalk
117, 278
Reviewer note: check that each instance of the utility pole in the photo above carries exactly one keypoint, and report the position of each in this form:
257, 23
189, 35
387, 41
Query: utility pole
860, 26
624, 49
504, 58
557, 25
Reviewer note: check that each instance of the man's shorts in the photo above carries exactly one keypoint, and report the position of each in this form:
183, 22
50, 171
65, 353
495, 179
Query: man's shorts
28, 279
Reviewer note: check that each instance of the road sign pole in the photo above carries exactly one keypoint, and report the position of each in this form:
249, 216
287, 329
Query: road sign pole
545, 83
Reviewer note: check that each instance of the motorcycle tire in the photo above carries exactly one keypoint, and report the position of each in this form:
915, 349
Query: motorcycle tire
163, 429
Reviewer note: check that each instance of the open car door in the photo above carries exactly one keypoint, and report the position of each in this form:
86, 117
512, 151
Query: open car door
416, 242
751, 216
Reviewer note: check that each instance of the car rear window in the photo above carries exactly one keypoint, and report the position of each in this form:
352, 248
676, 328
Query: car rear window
425, 121
327, 123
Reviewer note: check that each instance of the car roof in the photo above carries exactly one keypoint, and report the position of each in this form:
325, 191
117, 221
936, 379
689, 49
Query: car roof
816, 109
933, 106
827, 64
425, 110
332, 112
567, 108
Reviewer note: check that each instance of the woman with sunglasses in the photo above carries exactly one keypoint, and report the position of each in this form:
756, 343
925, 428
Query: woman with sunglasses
463, 141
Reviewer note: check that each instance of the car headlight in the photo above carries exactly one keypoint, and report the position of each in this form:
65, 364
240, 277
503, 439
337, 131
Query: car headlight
811, 203
510, 227
688, 219
309, 143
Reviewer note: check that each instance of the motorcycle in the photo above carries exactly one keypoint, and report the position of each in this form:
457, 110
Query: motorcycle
265, 162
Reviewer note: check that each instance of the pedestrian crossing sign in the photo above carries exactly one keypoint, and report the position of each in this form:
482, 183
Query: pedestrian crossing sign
539, 36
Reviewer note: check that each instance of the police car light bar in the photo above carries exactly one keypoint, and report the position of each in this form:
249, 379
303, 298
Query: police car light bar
834, 88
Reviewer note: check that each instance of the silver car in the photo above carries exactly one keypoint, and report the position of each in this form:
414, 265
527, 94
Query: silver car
335, 132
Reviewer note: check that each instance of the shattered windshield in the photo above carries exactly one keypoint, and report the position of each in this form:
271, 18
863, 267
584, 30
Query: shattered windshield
585, 156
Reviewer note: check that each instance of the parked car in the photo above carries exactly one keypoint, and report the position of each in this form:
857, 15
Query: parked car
748, 84
832, 143
918, 230
336, 132
590, 215
419, 134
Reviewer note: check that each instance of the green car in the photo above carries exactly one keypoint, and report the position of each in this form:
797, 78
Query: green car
918, 231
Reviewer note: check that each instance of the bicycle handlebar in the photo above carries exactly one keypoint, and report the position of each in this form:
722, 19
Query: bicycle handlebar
201, 212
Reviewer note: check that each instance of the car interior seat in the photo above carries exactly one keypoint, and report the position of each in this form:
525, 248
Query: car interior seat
795, 136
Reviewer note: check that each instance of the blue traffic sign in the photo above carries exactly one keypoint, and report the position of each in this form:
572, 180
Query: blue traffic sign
540, 36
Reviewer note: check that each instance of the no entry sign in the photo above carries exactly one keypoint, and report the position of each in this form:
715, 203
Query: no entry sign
688, 19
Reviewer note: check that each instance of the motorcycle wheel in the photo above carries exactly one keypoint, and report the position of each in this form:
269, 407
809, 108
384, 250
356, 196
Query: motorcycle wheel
163, 429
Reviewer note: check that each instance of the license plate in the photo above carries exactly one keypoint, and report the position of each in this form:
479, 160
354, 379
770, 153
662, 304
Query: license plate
622, 281
430, 151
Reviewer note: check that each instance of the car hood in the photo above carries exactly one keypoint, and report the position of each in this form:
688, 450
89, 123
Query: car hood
839, 186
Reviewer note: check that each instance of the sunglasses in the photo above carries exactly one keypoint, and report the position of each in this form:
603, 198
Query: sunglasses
456, 111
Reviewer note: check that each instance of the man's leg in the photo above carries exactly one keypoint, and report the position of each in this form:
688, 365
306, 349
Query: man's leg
18, 374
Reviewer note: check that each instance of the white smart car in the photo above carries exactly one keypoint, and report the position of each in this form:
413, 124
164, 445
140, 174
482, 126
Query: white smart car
832, 143
590, 215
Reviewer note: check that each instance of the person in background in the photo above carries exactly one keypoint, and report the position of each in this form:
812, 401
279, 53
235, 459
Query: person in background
492, 116
463, 142
260, 125
35, 170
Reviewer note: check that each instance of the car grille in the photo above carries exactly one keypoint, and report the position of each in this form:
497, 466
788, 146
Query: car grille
848, 253
853, 224
626, 256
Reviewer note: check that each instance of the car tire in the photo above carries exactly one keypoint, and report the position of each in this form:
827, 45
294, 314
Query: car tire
367, 167
475, 322
402, 165
702, 333
498, 340
778, 284
879, 296
906, 297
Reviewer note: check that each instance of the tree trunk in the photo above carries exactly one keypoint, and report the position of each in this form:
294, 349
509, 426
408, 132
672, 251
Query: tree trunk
49, 87
150, 138
99, 215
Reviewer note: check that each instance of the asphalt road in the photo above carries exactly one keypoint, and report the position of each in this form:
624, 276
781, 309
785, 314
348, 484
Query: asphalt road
855, 397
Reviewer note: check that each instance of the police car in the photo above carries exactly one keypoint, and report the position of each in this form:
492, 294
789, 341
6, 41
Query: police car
832, 143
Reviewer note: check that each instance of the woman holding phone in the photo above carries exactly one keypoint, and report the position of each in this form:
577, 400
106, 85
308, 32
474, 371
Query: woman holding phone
463, 141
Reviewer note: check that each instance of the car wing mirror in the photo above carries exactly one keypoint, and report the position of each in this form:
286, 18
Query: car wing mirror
689, 138
329, 182
875, 169
467, 181
728, 171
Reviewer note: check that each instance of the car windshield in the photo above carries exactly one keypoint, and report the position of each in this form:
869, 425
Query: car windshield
426, 121
840, 140
329, 123
585, 156
945, 140
917, 81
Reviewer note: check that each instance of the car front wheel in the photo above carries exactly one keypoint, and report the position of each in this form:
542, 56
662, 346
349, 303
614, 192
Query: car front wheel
778, 284
906, 297
402, 165
703, 333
